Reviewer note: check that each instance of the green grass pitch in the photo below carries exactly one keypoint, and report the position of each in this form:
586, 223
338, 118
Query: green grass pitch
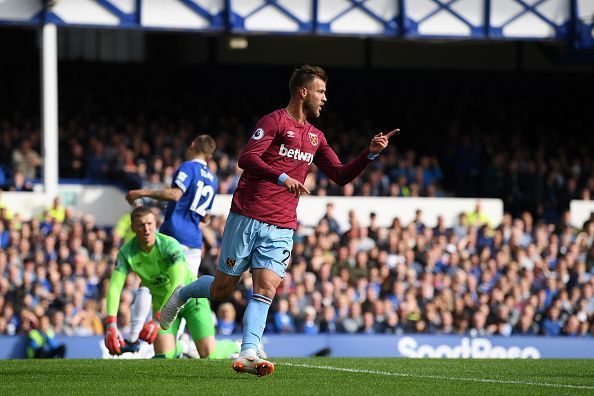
315, 376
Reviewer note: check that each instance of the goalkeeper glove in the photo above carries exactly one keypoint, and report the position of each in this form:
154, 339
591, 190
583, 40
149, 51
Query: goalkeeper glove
113, 338
151, 329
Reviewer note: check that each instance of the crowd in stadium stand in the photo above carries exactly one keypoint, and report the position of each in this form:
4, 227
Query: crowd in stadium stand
526, 142
526, 180
517, 278
531, 274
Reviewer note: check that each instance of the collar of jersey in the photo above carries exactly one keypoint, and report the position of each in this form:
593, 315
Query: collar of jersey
199, 161
297, 123
157, 244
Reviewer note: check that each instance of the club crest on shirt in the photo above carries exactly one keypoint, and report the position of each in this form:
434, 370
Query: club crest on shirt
160, 280
231, 261
313, 138
174, 257
258, 134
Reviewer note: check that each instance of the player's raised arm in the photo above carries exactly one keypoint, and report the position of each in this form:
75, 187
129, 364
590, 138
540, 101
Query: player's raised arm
327, 160
380, 141
164, 194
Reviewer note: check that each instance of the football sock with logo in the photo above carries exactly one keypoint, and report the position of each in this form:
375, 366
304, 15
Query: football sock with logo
139, 312
200, 288
254, 321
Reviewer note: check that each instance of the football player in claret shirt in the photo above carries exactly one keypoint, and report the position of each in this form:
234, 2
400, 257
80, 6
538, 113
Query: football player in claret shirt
258, 234
190, 199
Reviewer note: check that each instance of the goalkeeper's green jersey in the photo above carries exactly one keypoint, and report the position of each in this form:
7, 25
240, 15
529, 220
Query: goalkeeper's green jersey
161, 270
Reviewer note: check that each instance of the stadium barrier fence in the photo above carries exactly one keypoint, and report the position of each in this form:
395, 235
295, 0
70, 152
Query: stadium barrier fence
108, 203
408, 345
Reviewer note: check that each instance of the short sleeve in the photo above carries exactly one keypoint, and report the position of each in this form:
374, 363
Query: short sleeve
182, 177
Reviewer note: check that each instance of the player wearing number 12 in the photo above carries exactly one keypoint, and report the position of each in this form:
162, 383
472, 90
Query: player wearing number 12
190, 199
258, 234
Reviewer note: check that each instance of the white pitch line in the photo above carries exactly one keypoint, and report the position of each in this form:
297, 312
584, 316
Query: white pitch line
440, 377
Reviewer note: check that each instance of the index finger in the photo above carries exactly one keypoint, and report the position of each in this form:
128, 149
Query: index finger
304, 189
392, 132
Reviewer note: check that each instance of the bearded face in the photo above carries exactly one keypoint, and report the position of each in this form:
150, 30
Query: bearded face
310, 108
314, 98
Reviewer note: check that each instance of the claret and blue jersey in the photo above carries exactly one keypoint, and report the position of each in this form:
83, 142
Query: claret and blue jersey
182, 218
280, 144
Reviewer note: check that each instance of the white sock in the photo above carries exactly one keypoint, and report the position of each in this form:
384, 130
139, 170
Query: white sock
249, 353
140, 310
182, 327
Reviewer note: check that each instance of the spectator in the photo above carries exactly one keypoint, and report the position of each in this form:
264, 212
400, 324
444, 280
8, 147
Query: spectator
86, 322
477, 217
572, 327
329, 217
283, 321
19, 183
354, 321
225, 323
57, 211
26, 160
478, 325
369, 325
391, 324
328, 324
551, 325
97, 164
59, 325
41, 343
308, 324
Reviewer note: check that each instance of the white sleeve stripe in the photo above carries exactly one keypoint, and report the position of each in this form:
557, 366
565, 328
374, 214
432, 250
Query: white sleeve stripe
182, 176
180, 185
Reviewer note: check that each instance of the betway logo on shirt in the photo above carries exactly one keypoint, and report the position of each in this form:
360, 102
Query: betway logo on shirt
296, 154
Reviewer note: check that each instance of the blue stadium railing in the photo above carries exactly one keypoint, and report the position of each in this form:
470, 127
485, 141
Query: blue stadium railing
567, 20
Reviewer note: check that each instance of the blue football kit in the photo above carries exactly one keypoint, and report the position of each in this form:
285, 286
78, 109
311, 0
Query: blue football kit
182, 218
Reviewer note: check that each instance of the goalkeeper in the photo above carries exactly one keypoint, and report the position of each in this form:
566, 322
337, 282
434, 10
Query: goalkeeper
160, 263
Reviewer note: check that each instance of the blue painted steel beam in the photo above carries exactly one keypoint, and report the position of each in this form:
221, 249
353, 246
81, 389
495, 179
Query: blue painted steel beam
125, 19
487, 18
138, 13
576, 32
389, 25
287, 13
228, 16
239, 21
46, 16
532, 9
198, 10
580, 33
314, 16
401, 19
412, 26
